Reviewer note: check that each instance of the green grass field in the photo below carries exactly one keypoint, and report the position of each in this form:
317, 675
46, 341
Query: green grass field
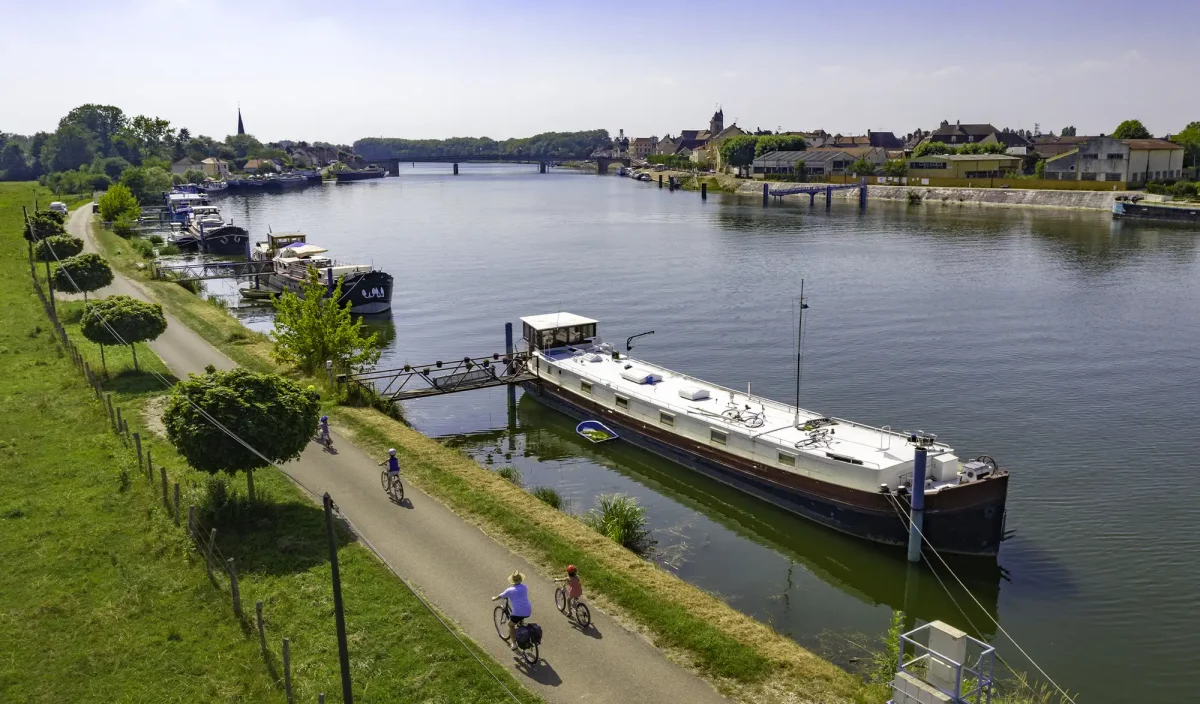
104, 599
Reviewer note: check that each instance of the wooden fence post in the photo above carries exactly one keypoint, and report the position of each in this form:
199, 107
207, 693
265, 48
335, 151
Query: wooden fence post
321, 698
120, 422
137, 442
166, 501
287, 671
262, 634
192, 521
112, 418
212, 538
233, 586
149, 465
176, 504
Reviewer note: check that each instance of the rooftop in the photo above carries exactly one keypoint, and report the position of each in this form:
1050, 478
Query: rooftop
1151, 144
549, 321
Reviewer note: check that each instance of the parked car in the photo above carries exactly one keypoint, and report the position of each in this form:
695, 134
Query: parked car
59, 207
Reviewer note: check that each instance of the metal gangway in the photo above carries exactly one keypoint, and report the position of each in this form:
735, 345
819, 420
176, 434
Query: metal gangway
204, 271
437, 378
813, 190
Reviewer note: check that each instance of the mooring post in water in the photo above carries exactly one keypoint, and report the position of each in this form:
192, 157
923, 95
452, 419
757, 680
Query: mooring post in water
660, 180
704, 191
828, 197
508, 352
766, 194
862, 194
456, 169
916, 524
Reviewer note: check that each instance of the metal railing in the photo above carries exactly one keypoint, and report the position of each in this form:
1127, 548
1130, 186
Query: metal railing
970, 684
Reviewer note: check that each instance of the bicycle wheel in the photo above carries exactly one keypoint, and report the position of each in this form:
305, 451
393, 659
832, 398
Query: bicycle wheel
560, 599
398, 490
500, 617
383, 480
583, 615
530, 654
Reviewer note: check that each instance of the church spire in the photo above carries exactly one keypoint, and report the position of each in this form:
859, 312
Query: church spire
241, 127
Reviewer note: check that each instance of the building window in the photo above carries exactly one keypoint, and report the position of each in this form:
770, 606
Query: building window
1112, 176
1116, 157
787, 460
666, 419
717, 437
1087, 177
1087, 157
622, 403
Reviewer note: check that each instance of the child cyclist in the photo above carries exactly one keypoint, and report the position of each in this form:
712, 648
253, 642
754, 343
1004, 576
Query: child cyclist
574, 586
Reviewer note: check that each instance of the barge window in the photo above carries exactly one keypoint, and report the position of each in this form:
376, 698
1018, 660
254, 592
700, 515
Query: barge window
622, 403
787, 460
585, 387
666, 419
718, 437
843, 458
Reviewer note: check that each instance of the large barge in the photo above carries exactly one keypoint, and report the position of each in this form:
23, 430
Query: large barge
365, 289
845, 475
1133, 210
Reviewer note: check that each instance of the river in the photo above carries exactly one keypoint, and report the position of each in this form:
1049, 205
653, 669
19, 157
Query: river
1060, 343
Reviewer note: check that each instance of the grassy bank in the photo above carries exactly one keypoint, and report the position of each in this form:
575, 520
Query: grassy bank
105, 599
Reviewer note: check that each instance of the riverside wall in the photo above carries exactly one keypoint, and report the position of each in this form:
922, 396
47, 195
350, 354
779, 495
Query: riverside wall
945, 196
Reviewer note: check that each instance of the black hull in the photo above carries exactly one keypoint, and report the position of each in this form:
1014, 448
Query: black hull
366, 294
1159, 213
967, 520
347, 176
228, 240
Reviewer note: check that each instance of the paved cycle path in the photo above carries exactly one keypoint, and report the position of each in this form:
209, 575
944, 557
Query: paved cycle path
452, 563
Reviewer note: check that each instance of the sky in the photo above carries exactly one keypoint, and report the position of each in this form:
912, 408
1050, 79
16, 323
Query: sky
339, 71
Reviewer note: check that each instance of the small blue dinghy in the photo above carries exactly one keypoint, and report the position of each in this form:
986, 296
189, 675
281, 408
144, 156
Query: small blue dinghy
595, 431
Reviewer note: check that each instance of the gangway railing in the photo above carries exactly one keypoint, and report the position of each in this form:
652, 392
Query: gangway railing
443, 377
203, 271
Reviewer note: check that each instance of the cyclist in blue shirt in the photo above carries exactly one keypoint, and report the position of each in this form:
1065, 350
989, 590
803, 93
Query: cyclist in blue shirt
323, 435
392, 463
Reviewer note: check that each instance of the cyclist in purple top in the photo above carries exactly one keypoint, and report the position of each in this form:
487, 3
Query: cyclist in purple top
518, 605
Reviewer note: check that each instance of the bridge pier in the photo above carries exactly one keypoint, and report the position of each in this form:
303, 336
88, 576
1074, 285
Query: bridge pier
812, 199
766, 194
456, 169
862, 195
542, 167
828, 197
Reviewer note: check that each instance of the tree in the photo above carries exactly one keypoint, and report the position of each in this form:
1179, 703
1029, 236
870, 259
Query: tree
895, 168
57, 247
266, 167
82, 273
271, 414
1039, 169
113, 167
44, 223
1068, 131
68, 148
102, 121
147, 183
738, 151
244, 146
116, 202
193, 176
121, 320
36, 143
313, 328
779, 142
798, 171
1131, 129
932, 148
983, 148
1189, 137
862, 167
12, 163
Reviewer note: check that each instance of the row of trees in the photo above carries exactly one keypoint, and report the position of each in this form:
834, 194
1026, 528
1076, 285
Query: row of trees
547, 144
741, 150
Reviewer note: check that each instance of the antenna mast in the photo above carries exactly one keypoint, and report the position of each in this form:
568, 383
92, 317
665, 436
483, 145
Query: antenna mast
799, 349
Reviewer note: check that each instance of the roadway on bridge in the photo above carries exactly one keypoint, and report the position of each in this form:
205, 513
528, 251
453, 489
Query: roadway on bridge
451, 562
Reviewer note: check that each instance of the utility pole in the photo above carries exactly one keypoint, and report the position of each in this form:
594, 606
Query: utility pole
338, 612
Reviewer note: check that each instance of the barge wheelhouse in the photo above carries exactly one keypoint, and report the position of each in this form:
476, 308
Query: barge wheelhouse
846, 475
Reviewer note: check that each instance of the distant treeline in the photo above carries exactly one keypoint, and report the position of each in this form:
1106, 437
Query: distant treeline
548, 144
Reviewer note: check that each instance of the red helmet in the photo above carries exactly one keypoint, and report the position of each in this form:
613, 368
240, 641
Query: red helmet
571, 569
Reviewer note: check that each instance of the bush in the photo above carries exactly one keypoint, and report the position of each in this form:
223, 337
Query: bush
57, 247
511, 474
117, 201
155, 239
1184, 189
119, 320
125, 227
550, 497
193, 176
142, 247
914, 198
44, 223
619, 518
82, 272
99, 182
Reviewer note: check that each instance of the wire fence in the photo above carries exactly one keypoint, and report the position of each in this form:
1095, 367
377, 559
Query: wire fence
222, 570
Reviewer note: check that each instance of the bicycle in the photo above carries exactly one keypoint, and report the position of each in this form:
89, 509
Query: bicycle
392, 486
576, 610
500, 616
746, 417
325, 439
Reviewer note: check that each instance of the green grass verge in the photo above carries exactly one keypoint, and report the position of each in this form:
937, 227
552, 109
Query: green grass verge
106, 600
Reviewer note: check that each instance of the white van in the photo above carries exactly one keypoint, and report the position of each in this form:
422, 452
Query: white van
59, 207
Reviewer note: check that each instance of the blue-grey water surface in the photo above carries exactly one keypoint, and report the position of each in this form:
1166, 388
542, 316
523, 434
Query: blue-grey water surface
1060, 343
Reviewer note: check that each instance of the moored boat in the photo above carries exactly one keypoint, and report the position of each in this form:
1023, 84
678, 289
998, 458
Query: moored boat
365, 289
1134, 210
845, 475
179, 203
207, 232
360, 174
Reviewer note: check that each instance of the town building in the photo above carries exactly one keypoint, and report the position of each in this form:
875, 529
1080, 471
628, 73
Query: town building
875, 155
184, 165
1048, 145
255, 165
963, 166
642, 147
215, 168
884, 140
959, 134
1132, 161
817, 163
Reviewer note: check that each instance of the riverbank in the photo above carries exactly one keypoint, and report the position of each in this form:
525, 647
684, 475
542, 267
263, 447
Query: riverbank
741, 657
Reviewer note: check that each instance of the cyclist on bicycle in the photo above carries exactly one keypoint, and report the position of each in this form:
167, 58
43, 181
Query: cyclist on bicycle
323, 435
392, 463
574, 586
518, 605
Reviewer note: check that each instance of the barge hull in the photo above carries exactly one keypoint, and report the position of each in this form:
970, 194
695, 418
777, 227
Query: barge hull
967, 520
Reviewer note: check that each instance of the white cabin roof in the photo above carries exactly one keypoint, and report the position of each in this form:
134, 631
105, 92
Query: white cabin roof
549, 321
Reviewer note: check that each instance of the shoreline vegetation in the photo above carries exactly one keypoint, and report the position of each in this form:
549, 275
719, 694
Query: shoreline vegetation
743, 658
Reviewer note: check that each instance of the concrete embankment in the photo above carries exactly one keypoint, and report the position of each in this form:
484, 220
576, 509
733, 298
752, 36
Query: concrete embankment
1002, 197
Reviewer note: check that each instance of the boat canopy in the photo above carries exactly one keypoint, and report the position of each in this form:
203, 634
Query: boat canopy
551, 330
301, 249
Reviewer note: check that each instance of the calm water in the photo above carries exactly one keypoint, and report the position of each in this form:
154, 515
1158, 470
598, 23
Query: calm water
1062, 344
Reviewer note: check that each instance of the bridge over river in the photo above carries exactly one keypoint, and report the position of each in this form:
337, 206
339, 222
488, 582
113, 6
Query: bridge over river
602, 158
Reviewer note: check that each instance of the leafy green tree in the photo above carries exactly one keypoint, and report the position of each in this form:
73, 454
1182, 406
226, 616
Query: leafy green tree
57, 247
1131, 129
983, 148
925, 148
98, 182
244, 146
270, 413
862, 167
1189, 137
313, 328
68, 148
147, 183
117, 202
36, 143
102, 121
193, 176
895, 168
44, 223
12, 163
121, 320
266, 167
779, 142
124, 227
112, 167
1039, 169
82, 273
1068, 131
739, 151
798, 171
